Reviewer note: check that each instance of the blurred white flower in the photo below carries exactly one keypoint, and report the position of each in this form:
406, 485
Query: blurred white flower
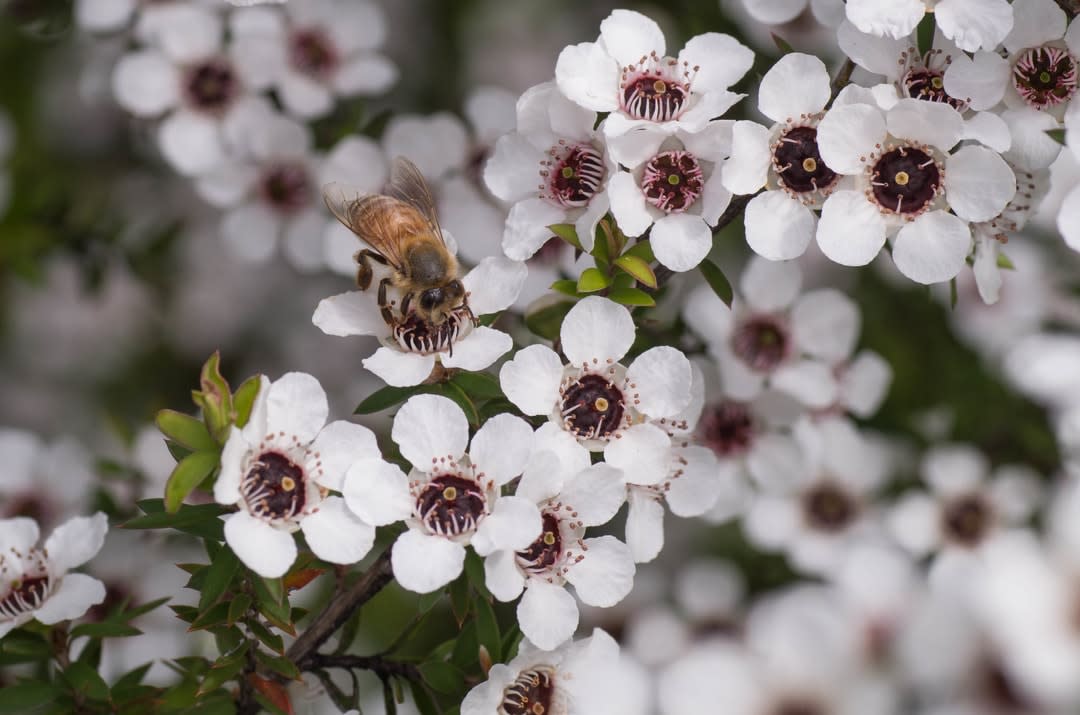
47, 482
971, 24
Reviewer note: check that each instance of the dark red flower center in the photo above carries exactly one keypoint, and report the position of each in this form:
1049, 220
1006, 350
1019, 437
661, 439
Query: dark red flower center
905, 180
313, 53
929, 86
531, 692
672, 181
798, 162
829, 507
573, 175
274, 487
286, 187
727, 428
967, 519
654, 95
450, 505
593, 407
25, 595
543, 553
762, 342
1045, 76
211, 86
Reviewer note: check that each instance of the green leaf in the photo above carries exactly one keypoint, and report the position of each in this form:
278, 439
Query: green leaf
601, 246
187, 475
244, 400
267, 637
25, 696
216, 397
1005, 262
952, 293
278, 664
178, 451
218, 578
546, 321
479, 385
84, 679
459, 598
466, 646
216, 615
131, 679
632, 296
487, 629
925, 33
198, 519
1057, 135
717, 281
781, 44
639, 269
643, 250
568, 233
442, 676
566, 287
133, 613
105, 629
238, 607
221, 673
592, 280
185, 430
387, 397
427, 601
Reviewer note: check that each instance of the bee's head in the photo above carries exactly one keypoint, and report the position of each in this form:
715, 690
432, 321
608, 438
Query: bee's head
437, 302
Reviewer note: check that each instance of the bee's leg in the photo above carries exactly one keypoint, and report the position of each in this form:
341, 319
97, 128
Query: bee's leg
363, 266
387, 314
406, 301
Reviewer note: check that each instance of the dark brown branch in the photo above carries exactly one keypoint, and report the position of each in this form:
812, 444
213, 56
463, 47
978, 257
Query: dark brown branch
341, 606
376, 664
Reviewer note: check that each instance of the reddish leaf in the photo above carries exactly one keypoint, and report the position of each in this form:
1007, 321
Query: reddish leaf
273, 691
301, 578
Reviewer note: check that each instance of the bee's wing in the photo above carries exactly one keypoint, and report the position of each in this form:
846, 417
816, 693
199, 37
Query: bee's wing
369, 216
409, 185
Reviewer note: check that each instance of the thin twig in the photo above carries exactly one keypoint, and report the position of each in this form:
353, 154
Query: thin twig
343, 605
843, 78
376, 664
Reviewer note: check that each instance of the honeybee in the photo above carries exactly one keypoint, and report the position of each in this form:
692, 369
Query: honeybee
402, 229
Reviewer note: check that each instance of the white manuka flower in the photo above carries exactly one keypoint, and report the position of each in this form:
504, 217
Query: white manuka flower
48, 483
781, 12
554, 169
187, 76
270, 186
784, 159
278, 470
606, 406
571, 495
313, 52
112, 15
35, 583
649, 95
451, 498
819, 510
911, 184
971, 24
772, 337
677, 191
1041, 72
965, 507
410, 350
586, 677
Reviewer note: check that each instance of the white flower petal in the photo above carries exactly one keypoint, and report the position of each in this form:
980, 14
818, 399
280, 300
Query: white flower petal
974, 24
356, 162
629, 36
769, 286
891, 18
191, 143
826, 324
778, 227
681, 241
338, 446
265, 550
185, 32
932, 248
76, 541
721, 61
747, 169
303, 96
544, 476
644, 526
848, 134
713, 200
595, 494
531, 379
352, 313
700, 484
642, 452
477, 350
588, 75
954, 469
628, 204
366, 75
632, 142
398, 368
502, 575
595, 331
706, 315
661, 377
864, 384
1032, 149
811, 382
776, 463
979, 80
606, 574
423, 563
494, 284
878, 55
988, 129
775, 12
103, 15
512, 525
501, 447
430, 428
437, 143
250, 232
336, 535
796, 85
934, 123
1068, 220
914, 523
227, 485
255, 429
377, 492
1035, 22
527, 229
771, 523
145, 83
978, 183
547, 614
297, 406
77, 593
851, 231
512, 172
